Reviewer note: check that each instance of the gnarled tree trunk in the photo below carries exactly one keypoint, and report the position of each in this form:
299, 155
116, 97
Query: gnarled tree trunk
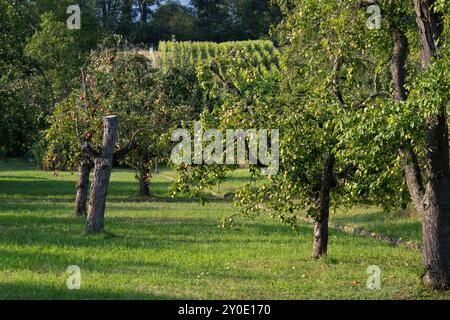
84, 170
431, 197
409, 158
102, 173
436, 198
436, 207
320, 242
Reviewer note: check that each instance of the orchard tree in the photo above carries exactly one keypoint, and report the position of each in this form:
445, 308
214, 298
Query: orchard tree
415, 121
149, 100
55, 50
23, 96
408, 128
432, 198
78, 121
117, 81
40, 59
59, 52
179, 99
307, 101
405, 128
381, 123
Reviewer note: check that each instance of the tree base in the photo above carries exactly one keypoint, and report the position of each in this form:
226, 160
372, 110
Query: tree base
320, 242
93, 230
435, 280
79, 214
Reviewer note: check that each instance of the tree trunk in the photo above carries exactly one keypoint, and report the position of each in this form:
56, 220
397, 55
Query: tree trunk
84, 170
320, 242
413, 175
410, 162
144, 188
143, 7
436, 200
102, 173
144, 175
430, 29
432, 201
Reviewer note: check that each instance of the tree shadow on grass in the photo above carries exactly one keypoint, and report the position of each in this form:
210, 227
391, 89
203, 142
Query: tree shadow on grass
31, 291
143, 232
34, 188
56, 265
9, 177
57, 191
53, 188
375, 216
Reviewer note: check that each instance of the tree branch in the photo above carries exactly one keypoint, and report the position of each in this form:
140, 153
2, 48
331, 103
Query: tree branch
350, 168
230, 86
89, 151
132, 144
337, 92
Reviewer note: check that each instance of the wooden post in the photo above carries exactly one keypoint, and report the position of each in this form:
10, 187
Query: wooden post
102, 172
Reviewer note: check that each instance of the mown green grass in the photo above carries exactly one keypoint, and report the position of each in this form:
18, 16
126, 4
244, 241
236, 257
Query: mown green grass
404, 224
164, 249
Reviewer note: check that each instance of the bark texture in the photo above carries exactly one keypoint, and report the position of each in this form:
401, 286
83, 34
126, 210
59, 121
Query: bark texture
436, 203
430, 28
144, 175
436, 199
413, 175
320, 241
84, 170
410, 161
102, 173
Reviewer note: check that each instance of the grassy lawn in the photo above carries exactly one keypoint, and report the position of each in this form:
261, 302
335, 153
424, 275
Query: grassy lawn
404, 224
162, 249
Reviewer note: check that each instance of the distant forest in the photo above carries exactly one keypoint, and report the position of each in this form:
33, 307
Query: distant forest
149, 21
40, 57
